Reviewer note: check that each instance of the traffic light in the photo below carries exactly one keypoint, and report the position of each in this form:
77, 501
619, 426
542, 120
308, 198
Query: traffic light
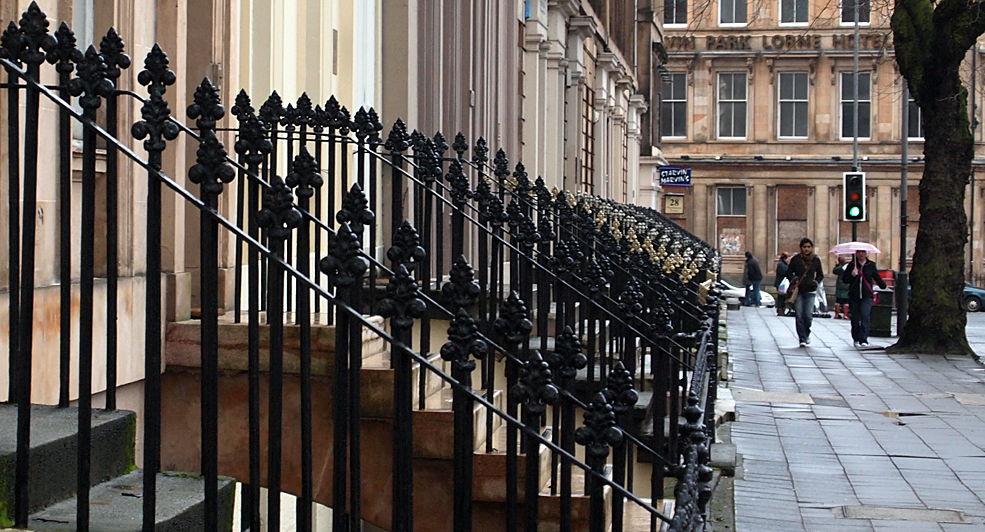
853, 189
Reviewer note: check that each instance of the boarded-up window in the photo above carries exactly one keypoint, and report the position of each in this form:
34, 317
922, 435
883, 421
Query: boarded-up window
845, 228
731, 210
791, 218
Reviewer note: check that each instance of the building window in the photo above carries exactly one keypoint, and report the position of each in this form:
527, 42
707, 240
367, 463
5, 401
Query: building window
625, 165
731, 220
793, 11
864, 105
673, 107
793, 105
83, 26
915, 124
732, 12
587, 180
675, 12
731, 105
731, 201
848, 11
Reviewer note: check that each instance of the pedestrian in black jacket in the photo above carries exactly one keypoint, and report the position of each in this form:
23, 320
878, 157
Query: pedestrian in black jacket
781, 274
752, 277
861, 275
805, 273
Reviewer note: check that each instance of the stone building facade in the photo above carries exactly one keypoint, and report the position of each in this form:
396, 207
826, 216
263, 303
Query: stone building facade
758, 102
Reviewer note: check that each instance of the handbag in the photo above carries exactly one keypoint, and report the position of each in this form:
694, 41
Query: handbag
784, 285
875, 295
792, 295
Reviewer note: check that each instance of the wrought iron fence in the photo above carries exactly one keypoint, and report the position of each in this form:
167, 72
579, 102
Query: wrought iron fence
618, 292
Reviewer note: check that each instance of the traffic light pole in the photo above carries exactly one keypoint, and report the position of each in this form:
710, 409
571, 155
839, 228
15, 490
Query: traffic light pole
855, 165
903, 278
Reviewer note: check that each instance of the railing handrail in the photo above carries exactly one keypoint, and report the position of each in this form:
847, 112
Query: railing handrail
290, 270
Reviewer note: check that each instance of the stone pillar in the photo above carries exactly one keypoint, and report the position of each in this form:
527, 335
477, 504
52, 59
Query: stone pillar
535, 50
637, 179
171, 32
757, 234
579, 29
399, 87
559, 13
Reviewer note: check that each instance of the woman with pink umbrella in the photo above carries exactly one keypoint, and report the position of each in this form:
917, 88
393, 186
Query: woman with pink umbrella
861, 275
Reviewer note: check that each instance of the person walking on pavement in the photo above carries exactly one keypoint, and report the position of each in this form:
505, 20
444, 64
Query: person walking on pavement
781, 273
805, 273
861, 274
752, 277
841, 289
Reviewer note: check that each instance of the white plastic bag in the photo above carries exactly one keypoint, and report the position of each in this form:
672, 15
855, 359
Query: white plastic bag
784, 284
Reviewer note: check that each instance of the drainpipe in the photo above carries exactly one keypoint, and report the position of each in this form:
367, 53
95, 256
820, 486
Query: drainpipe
903, 278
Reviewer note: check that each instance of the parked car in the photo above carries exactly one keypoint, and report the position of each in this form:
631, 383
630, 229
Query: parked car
734, 291
973, 297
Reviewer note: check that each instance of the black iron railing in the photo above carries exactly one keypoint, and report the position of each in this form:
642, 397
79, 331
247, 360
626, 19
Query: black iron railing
621, 282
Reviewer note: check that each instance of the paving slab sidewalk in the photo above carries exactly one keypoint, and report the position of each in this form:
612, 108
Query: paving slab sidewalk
837, 438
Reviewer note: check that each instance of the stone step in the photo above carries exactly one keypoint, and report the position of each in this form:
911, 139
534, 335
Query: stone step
434, 428
635, 517
183, 346
117, 505
54, 449
489, 469
376, 385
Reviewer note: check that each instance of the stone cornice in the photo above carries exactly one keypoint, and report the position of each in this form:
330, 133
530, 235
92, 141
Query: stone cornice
583, 27
568, 8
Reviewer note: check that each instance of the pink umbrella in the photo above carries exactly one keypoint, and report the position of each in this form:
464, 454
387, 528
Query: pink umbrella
847, 248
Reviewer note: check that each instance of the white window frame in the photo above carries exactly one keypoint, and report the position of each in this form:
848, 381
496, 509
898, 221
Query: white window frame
742, 190
83, 15
676, 24
842, 101
682, 99
721, 7
797, 12
919, 114
851, 20
780, 77
720, 101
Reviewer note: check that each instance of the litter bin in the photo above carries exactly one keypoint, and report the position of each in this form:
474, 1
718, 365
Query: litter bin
882, 314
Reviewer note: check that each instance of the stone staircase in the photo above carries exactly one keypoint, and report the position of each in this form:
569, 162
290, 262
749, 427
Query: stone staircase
117, 486
433, 433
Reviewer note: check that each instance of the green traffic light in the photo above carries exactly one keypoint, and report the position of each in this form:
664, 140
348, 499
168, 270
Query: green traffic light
854, 211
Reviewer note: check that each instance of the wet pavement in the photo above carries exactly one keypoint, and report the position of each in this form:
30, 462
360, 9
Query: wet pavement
837, 438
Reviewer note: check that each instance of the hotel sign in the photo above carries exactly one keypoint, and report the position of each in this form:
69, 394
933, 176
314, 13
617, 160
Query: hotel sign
675, 176
779, 42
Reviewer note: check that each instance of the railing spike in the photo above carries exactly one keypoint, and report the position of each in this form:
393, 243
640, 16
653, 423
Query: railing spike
304, 177
112, 47
272, 110
65, 55
278, 215
91, 84
398, 140
406, 249
34, 28
480, 153
460, 145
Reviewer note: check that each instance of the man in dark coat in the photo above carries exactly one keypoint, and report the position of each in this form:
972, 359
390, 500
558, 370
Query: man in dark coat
805, 273
754, 276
